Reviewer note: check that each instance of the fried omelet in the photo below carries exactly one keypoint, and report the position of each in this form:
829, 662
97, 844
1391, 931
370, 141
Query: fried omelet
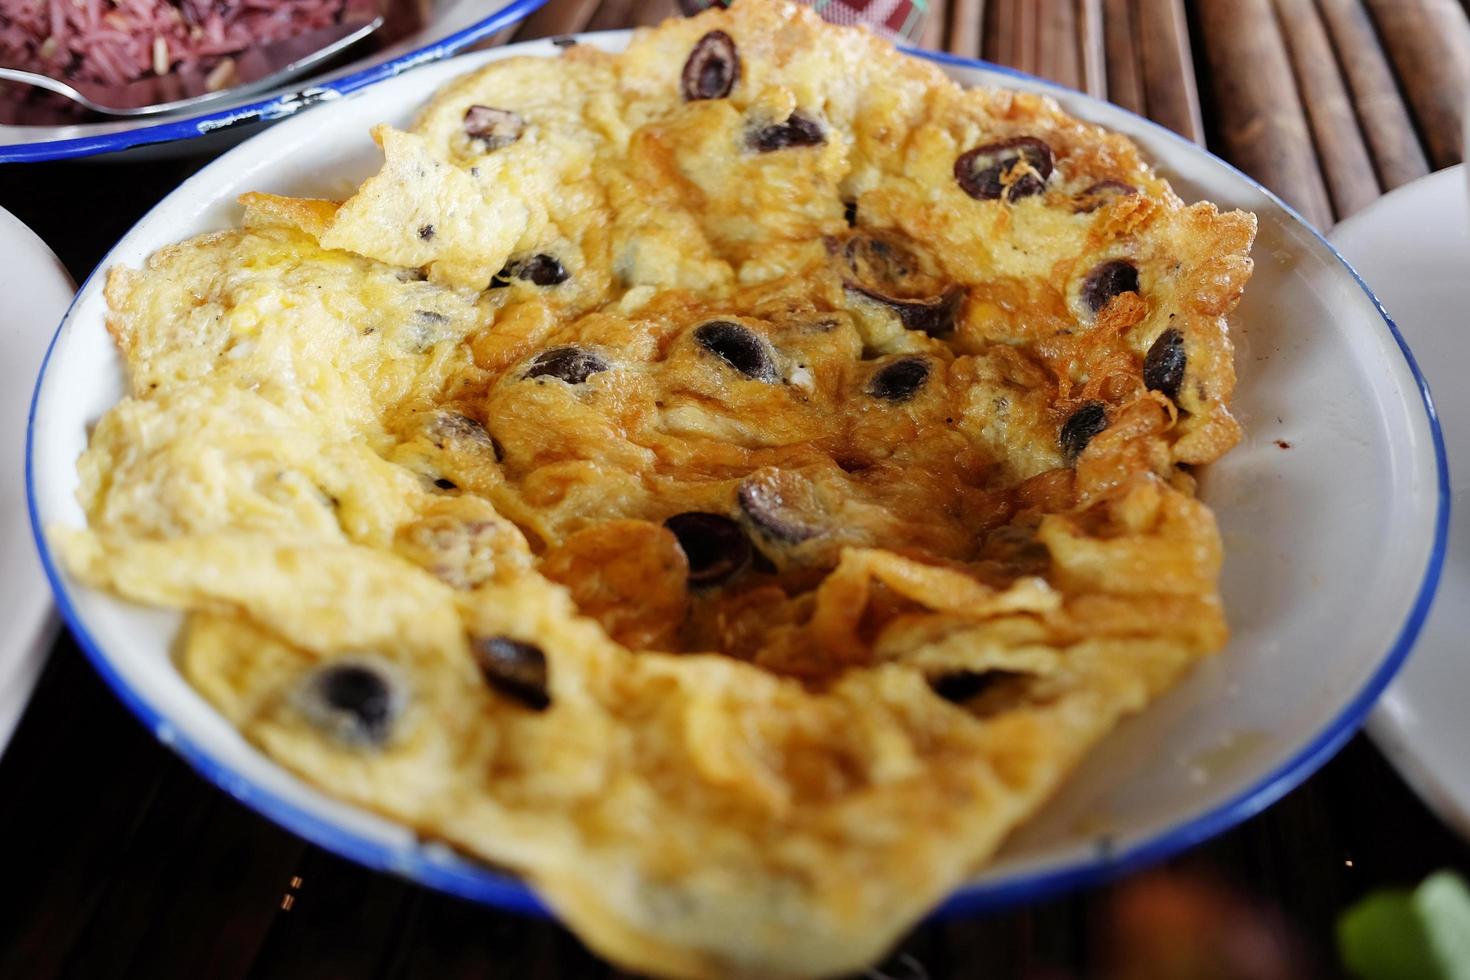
729, 483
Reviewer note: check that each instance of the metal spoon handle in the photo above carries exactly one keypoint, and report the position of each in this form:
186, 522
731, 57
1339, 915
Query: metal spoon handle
49, 84
255, 69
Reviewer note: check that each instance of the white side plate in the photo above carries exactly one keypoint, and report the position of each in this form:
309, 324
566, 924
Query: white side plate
34, 293
1414, 247
1333, 544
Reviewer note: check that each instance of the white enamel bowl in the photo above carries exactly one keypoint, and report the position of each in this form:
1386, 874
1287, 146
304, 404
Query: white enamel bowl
1414, 246
450, 27
1334, 545
34, 292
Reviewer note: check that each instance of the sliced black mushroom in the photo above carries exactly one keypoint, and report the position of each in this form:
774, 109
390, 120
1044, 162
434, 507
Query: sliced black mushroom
1087, 421
514, 668
712, 69
935, 316
1102, 193
982, 171
763, 500
738, 346
574, 365
354, 700
962, 685
714, 545
1163, 368
879, 262
799, 129
1107, 280
492, 128
448, 429
540, 269
898, 381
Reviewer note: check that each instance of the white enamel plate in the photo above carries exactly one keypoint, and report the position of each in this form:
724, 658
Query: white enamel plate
1414, 246
1334, 512
34, 292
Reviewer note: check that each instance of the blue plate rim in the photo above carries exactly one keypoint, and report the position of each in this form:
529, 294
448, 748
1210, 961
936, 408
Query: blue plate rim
438, 867
171, 129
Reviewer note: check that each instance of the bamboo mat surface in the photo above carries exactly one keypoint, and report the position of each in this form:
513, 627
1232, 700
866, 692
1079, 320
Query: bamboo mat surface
120, 862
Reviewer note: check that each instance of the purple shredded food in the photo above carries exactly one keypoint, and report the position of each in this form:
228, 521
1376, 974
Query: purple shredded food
119, 41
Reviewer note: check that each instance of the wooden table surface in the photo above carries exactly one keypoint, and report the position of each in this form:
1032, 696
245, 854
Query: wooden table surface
118, 861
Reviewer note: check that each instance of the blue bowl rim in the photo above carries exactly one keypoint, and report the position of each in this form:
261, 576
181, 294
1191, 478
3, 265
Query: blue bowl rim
438, 867
171, 129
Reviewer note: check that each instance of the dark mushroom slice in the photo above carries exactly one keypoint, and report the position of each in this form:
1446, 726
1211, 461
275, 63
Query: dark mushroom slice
493, 128
981, 171
354, 700
935, 317
1163, 367
983, 693
738, 346
898, 381
514, 668
1087, 421
961, 685
879, 262
1106, 281
715, 546
762, 500
1102, 193
540, 269
799, 129
574, 365
447, 428
712, 69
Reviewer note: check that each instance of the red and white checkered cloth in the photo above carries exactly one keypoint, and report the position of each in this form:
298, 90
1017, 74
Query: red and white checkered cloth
897, 20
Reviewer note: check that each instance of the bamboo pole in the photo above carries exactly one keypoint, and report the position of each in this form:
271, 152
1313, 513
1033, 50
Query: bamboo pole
1385, 119
1340, 148
936, 26
1023, 55
1168, 67
966, 27
1261, 119
1429, 44
1125, 78
558, 17
1057, 43
1094, 49
646, 13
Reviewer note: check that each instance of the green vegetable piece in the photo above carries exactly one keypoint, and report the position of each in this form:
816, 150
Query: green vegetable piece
1443, 902
1403, 935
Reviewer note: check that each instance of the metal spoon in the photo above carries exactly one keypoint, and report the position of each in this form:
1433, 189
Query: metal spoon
254, 69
